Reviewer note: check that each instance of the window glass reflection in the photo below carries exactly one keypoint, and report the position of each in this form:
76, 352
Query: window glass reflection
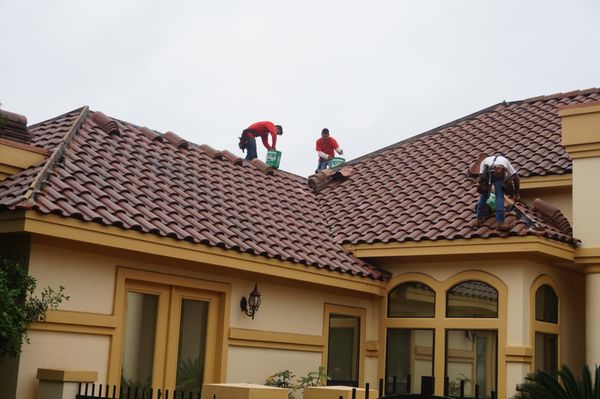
409, 356
343, 350
192, 345
138, 348
546, 304
471, 356
546, 352
472, 299
411, 299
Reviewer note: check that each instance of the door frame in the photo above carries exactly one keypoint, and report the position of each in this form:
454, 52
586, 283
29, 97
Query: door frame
171, 286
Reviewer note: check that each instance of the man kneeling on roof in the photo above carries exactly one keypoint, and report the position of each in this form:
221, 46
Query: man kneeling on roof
496, 171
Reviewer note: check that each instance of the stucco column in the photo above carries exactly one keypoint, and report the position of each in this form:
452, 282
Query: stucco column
581, 138
592, 287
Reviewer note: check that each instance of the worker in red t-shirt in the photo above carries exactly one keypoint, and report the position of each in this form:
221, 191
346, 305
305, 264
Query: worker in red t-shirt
326, 148
262, 129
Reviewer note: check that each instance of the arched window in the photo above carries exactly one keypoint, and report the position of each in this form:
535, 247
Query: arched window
411, 299
472, 299
546, 304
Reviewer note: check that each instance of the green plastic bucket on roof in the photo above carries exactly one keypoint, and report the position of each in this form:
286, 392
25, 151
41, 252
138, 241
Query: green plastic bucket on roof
336, 161
491, 201
273, 158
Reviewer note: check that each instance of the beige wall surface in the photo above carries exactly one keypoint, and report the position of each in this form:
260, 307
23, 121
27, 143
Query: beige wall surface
586, 196
254, 365
515, 372
59, 350
293, 310
89, 279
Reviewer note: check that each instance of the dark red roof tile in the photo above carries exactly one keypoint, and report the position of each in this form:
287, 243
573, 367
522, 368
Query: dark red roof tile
200, 195
422, 181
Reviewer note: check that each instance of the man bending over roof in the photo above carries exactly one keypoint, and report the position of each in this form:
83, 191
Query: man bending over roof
496, 171
262, 129
326, 146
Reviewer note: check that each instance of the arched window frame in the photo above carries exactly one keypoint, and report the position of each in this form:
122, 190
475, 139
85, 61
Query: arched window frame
542, 326
440, 323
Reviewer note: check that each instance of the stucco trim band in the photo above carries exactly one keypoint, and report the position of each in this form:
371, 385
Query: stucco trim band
93, 233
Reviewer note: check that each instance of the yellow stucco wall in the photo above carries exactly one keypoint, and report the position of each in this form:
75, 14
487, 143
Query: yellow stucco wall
586, 195
89, 276
60, 350
518, 276
254, 365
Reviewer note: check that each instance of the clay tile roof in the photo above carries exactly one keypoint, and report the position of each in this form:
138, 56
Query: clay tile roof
175, 140
419, 189
200, 195
151, 134
105, 123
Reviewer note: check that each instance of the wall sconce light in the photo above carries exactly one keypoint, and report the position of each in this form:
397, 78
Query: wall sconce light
250, 306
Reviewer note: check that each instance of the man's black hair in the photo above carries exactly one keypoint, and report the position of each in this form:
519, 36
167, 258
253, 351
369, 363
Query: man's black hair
325, 131
280, 129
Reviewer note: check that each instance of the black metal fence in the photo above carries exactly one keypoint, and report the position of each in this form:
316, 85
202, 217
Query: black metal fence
393, 391
93, 391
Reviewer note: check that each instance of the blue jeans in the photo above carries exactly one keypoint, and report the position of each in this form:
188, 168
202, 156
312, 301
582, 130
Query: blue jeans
481, 204
251, 149
323, 164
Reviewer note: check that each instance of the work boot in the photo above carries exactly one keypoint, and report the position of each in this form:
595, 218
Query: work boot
503, 226
479, 222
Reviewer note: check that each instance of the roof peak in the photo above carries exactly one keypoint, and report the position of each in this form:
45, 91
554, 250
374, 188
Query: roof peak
568, 94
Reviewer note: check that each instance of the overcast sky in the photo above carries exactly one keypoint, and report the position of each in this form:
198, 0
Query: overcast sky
373, 72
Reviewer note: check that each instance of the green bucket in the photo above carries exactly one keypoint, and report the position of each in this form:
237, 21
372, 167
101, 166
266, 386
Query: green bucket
273, 158
336, 161
491, 201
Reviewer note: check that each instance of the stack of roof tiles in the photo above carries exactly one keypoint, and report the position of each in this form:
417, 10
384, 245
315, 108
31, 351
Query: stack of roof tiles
118, 174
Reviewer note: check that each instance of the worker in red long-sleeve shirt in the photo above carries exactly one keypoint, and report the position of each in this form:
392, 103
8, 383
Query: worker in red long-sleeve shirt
262, 129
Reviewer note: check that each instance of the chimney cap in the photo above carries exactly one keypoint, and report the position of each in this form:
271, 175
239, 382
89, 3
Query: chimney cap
14, 127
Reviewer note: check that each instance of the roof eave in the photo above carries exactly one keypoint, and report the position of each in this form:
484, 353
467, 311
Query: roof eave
521, 245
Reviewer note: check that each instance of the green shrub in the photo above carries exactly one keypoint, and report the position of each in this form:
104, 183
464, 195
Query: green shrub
284, 379
561, 385
19, 307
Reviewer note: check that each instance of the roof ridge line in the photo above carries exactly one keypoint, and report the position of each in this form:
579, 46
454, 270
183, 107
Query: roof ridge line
430, 131
568, 94
36, 184
57, 117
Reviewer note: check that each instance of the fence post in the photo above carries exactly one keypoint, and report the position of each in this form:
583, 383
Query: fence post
427, 384
462, 389
380, 387
62, 383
